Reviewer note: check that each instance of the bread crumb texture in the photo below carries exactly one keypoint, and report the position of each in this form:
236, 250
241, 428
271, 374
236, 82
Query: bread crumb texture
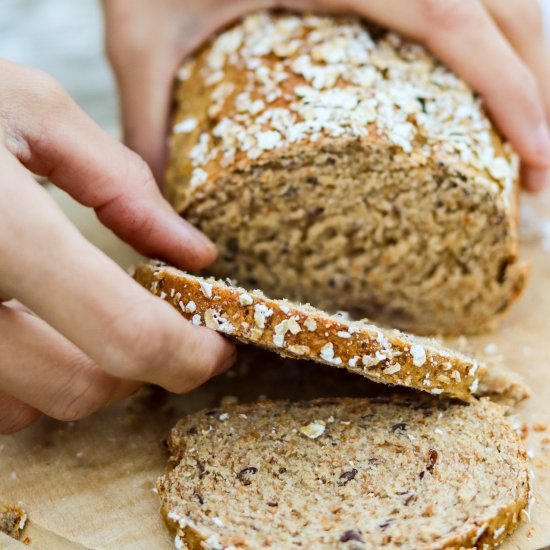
339, 164
303, 332
345, 473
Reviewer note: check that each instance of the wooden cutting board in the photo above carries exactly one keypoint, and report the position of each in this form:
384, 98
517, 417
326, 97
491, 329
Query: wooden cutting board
89, 484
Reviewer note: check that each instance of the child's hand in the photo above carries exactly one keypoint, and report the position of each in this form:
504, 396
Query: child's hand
497, 46
95, 333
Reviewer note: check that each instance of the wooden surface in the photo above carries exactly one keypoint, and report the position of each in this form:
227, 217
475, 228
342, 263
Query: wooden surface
90, 484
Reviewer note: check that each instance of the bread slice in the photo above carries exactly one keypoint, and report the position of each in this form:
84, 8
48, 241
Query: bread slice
303, 332
345, 473
341, 165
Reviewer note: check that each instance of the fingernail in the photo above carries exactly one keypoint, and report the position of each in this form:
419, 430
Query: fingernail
543, 143
535, 179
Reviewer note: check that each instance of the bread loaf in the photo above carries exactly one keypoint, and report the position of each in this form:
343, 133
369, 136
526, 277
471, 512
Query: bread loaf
344, 166
345, 473
303, 332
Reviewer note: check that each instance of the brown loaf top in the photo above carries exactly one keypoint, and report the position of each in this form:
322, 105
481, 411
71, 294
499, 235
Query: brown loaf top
344, 166
350, 474
303, 332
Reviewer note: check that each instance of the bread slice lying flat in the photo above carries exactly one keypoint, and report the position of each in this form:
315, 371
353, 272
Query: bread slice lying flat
342, 165
303, 332
345, 473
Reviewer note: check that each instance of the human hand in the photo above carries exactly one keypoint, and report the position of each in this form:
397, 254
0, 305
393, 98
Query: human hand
497, 46
94, 334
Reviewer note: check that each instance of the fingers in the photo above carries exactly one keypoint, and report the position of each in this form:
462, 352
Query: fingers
15, 415
86, 297
144, 66
47, 131
463, 35
521, 22
48, 373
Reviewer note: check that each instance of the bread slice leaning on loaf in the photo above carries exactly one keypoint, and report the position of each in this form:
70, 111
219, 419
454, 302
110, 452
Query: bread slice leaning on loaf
341, 165
304, 332
345, 473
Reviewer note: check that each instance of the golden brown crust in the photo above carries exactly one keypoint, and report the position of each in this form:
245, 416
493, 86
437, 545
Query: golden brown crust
303, 332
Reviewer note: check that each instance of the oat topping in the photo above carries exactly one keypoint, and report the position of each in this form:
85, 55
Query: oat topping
206, 289
314, 429
294, 326
418, 354
370, 361
286, 325
310, 324
299, 349
261, 313
336, 80
186, 126
217, 321
196, 320
185, 71
245, 299
392, 368
327, 353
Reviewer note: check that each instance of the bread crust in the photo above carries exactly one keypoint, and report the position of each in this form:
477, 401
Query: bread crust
486, 530
303, 332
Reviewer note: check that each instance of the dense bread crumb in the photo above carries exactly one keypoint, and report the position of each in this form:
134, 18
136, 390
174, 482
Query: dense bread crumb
348, 169
303, 332
397, 473
12, 520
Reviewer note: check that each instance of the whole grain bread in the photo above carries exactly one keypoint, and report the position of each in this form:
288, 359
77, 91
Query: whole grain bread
304, 332
345, 473
341, 165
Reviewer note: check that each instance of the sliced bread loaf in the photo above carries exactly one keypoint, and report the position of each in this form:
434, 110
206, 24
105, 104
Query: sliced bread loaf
303, 332
345, 473
343, 166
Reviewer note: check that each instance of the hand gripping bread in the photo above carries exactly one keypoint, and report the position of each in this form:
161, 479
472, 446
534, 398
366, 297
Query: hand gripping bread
345, 473
347, 168
303, 332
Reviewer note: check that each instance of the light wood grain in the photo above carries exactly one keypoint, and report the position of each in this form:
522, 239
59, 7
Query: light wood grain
90, 484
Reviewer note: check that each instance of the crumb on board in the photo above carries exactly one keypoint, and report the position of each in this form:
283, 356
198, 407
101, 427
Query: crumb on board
12, 520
